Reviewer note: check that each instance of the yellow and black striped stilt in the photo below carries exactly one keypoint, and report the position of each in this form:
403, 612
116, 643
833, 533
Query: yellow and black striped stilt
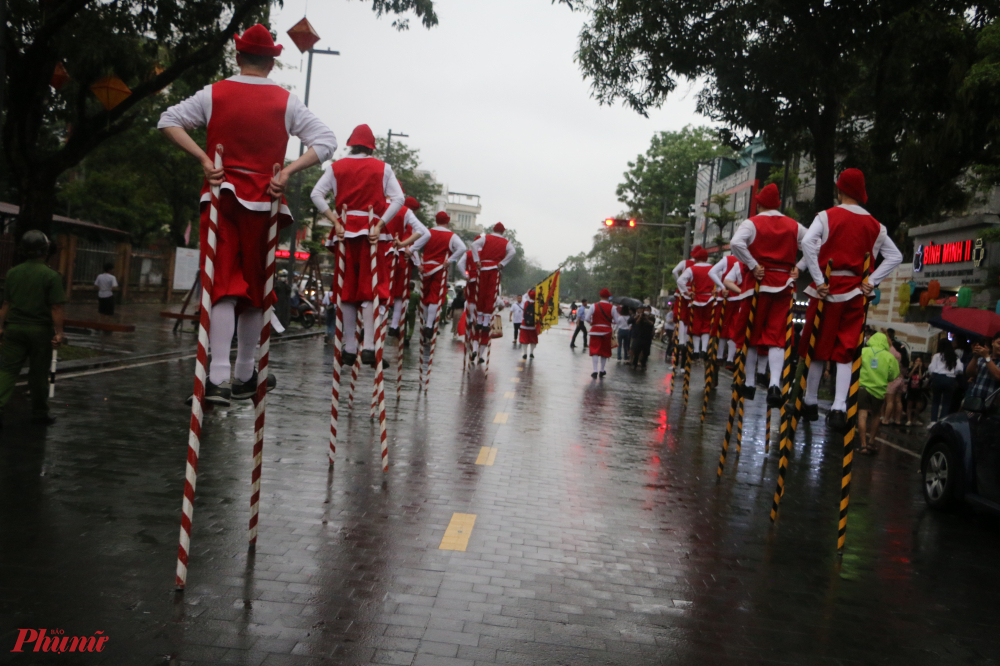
688, 353
739, 379
676, 351
788, 427
786, 379
713, 347
739, 417
852, 420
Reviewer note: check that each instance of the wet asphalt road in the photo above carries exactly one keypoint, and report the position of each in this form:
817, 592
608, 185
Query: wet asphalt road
600, 533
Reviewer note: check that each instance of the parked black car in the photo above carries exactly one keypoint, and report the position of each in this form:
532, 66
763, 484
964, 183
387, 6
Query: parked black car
961, 460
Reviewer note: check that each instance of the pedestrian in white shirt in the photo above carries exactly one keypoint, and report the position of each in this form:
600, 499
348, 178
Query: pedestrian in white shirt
106, 283
516, 316
624, 327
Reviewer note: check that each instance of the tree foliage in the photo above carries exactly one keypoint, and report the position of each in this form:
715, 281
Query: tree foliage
148, 44
797, 71
658, 187
405, 162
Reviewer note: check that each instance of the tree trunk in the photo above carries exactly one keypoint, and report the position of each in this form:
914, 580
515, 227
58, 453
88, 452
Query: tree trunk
825, 154
38, 201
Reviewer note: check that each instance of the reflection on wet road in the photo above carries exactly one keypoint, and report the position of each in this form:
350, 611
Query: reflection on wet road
531, 516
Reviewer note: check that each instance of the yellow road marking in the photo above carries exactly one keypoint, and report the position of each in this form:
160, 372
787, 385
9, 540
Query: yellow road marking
487, 455
520, 369
508, 394
501, 417
516, 380
456, 537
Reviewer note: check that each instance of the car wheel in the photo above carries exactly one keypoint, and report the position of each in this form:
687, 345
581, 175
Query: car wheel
940, 476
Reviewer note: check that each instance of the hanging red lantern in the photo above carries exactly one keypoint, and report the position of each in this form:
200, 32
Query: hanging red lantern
303, 34
111, 91
59, 77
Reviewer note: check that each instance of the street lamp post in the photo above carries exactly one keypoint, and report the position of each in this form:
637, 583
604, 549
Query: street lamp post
388, 143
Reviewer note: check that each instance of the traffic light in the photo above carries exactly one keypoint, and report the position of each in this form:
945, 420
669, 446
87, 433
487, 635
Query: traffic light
619, 222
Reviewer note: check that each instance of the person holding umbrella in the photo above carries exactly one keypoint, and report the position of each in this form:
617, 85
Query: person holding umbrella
984, 369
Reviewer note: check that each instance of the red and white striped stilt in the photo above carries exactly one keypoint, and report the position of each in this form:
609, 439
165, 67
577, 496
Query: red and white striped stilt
379, 351
421, 320
402, 329
358, 328
200, 376
260, 400
434, 330
383, 330
338, 346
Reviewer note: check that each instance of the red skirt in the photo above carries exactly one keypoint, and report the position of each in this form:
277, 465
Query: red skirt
738, 325
528, 336
358, 272
839, 334
401, 278
486, 292
240, 251
600, 345
471, 292
432, 287
769, 322
701, 319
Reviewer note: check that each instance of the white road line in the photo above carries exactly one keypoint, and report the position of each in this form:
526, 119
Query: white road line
897, 447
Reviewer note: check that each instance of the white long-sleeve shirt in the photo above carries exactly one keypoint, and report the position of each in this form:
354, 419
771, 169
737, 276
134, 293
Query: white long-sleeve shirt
418, 228
678, 269
480, 243
327, 184
300, 122
819, 233
717, 274
938, 366
620, 320
516, 312
456, 247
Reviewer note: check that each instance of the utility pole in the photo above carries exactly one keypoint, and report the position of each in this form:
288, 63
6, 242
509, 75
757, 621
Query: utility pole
388, 143
708, 200
300, 177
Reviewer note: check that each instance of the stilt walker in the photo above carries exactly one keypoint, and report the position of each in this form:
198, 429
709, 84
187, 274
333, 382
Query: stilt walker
682, 314
260, 399
490, 253
467, 267
443, 247
789, 432
852, 422
844, 234
251, 115
739, 379
697, 285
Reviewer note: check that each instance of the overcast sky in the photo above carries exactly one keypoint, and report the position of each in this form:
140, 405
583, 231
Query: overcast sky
494, 102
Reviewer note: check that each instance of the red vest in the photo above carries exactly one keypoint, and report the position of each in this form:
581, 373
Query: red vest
436, 249
850, 236
602, 319
359, 187
249, 122
393, 229
774, 246
701, 284
493, 252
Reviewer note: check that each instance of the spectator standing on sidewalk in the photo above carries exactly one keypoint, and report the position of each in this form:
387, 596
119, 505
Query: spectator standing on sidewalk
581, 325
624, 325
984, 369
892, 411
945, 369
516, 316
917, 374
330, 309
31, 325
879, 367
642, 336
106, 283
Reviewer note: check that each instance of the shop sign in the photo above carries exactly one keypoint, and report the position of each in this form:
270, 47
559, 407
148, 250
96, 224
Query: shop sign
949, 253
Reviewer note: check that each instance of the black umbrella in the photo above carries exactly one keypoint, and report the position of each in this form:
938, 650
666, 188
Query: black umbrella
627, 302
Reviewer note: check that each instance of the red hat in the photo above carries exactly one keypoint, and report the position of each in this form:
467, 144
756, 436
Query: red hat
769, 197
852, 183
411, 203
605, 293
499, 228
442, 218
362, 136
695, 249
698, 253
257, 40
531, 293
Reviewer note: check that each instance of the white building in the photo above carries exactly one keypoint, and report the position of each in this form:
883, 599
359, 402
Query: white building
463, 209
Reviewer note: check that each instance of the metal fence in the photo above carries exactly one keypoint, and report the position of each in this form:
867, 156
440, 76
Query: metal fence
148, 268
90, 259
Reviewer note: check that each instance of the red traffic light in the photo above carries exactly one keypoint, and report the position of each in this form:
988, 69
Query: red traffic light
620, 222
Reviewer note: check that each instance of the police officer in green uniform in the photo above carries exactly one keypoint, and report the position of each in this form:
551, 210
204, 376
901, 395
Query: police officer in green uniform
31, 324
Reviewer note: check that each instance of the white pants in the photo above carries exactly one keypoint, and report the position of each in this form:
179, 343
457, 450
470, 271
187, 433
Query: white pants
397, 312
775, 360
221, 336
603, 361
350, 326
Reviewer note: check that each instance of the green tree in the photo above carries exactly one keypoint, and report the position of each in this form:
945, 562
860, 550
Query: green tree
787, 69
148, 44
405, 162
722, 217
